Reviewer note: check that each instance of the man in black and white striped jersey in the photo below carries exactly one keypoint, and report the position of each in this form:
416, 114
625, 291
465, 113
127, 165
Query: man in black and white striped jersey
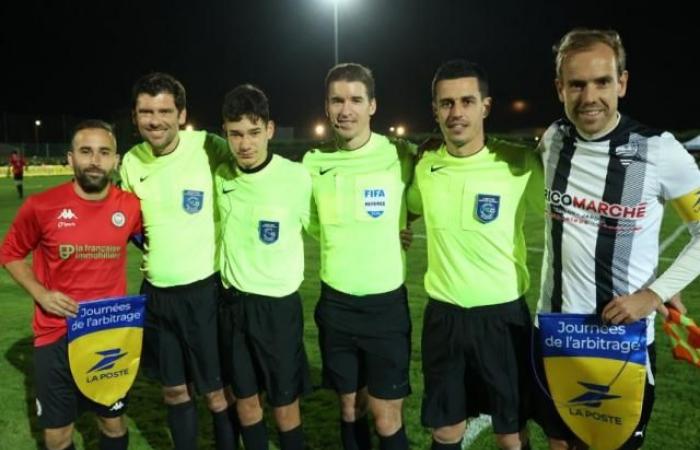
607, 178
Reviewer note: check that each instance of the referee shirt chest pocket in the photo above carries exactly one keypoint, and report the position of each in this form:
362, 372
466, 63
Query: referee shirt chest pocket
376, 197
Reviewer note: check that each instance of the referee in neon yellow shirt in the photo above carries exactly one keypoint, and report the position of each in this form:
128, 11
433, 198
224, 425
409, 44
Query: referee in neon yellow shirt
362, 315
172, 173
263, 201
472, 192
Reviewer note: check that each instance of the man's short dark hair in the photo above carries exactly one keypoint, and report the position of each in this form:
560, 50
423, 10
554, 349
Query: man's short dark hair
351, 72
245, 100
91, 124
158, 83
461, 68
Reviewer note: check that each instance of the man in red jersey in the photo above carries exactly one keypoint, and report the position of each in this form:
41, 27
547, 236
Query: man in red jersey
78, 233
16, 166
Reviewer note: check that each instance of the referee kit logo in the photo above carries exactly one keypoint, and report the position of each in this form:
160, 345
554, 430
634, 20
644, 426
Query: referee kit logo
487, 207
268, 231
192, 201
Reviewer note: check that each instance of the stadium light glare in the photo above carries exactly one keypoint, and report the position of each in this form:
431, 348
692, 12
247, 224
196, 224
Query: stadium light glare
392, 129
37, 124
189, 127
320, 130
519, 106
400, 130
335, 29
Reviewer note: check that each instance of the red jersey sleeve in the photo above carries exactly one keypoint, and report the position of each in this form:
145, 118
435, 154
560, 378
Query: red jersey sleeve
23, 236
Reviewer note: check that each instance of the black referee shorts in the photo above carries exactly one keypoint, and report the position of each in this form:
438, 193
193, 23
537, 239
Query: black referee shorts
180, 343
59, 401
548, 418
261, 341
475, 360
365, 341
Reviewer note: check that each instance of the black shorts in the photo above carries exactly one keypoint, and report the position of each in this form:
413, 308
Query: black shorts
365, 341
261, 340
180, 334
475, 360
548, 418
59, 402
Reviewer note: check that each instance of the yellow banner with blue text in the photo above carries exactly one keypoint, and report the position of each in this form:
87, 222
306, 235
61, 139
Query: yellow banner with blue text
596, 375
104, 346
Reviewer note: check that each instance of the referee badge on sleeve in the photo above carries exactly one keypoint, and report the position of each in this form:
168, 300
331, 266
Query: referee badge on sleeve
104, 346
487, 207
268, 231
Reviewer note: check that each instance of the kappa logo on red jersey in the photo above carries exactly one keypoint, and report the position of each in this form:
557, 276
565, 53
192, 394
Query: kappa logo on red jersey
67, 214
66, 218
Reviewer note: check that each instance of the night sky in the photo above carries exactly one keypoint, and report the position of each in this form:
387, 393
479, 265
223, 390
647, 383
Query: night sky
79, 59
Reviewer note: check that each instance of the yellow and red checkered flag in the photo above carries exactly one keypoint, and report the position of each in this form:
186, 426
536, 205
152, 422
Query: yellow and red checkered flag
684, 335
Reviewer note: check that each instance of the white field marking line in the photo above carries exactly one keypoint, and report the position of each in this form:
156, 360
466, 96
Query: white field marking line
474, 428
669, 240
661, 250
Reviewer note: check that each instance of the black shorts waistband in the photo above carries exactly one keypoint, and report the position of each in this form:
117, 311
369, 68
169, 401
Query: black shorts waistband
513, 306
233, 295
184, 288
330, 294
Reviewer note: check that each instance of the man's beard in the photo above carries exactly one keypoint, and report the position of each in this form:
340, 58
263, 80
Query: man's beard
91, 185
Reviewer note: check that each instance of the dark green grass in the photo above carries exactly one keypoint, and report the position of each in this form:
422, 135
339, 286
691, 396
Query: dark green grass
674, 424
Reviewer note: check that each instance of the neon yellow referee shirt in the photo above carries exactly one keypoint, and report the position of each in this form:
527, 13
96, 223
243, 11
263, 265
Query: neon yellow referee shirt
176, 193
474, 210
359, 208
262, 215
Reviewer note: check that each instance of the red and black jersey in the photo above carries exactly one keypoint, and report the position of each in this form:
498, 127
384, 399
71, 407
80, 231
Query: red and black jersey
78, 245
18, 164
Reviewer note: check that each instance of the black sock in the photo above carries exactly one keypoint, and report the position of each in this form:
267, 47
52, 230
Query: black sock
182, 420
235, 425
364, 441
20, 191
292, 439
223, 430
255, 436
117, 443
397, 441
355, 435
438, 446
